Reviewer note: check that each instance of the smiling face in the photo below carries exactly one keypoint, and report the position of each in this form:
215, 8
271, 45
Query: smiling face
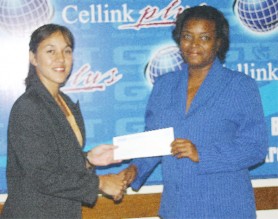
198, 43
53, 60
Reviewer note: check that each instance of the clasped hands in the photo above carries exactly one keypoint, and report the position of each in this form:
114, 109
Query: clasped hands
115, 185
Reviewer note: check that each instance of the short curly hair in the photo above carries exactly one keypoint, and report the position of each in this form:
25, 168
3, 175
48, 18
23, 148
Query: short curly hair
205, 13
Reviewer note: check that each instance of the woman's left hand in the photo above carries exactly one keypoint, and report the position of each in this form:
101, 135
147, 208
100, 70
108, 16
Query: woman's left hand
184, 148
102, 155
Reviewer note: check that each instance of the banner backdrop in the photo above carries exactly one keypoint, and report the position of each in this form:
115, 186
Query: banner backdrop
121, 47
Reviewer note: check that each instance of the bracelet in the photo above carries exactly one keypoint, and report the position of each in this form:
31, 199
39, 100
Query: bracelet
86, 156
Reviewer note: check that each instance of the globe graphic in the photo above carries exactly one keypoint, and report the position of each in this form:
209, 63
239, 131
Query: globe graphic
258, 15
166, 60
20, 17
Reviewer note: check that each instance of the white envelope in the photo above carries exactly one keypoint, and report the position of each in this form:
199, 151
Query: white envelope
144, 144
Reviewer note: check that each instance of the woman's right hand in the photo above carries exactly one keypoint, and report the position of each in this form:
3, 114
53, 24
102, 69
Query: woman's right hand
113, 185
129, 174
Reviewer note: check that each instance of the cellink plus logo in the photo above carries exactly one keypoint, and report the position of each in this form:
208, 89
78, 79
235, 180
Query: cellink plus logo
23, 16
260, 16
86, 80
149, 16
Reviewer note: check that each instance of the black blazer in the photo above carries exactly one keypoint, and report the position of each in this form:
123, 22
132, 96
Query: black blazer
46, 172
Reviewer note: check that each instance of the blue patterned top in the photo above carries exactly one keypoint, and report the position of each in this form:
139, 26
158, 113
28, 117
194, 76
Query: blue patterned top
226, 123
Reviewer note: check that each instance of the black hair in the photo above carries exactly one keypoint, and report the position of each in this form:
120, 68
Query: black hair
205, 13
38, 36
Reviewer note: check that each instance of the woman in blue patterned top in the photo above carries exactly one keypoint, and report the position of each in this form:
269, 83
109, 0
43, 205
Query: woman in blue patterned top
218, 123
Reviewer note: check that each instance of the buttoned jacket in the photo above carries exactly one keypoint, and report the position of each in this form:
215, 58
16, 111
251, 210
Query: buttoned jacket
225, 122
46, 172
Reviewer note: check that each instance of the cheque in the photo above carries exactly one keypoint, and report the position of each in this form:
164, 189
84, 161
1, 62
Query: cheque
144, 144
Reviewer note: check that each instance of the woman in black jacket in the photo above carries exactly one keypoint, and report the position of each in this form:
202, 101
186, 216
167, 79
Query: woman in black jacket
49, 176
